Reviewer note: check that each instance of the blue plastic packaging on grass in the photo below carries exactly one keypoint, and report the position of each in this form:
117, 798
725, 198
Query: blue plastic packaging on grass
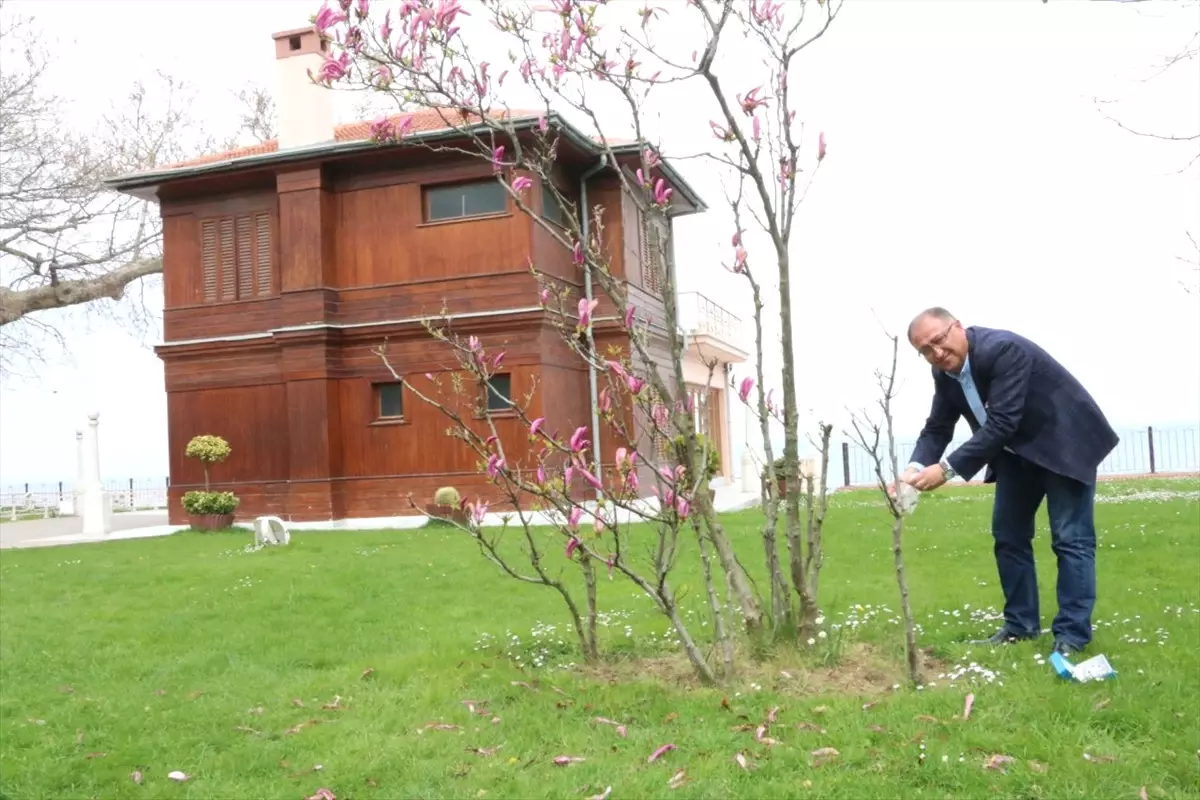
1095, 668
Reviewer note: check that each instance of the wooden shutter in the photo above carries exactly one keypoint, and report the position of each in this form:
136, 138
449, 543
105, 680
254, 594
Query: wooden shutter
228, 275
236, 257
652, 245
208, 259
262, 252
245, 259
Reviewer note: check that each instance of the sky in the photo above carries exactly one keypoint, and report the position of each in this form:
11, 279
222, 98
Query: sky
969, 166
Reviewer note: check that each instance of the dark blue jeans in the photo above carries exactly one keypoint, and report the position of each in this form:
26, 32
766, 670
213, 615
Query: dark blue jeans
1020, 488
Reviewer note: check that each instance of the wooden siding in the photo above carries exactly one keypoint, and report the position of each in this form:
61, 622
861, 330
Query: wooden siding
350, 252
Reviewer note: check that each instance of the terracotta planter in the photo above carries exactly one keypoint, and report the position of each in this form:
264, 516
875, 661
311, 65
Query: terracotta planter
449, 513
210, 522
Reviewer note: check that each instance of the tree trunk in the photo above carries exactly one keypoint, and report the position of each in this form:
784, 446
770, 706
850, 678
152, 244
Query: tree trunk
723, 642
910, 627
589, 577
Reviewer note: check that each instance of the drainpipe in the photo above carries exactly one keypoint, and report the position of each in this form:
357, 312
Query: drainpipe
585, 224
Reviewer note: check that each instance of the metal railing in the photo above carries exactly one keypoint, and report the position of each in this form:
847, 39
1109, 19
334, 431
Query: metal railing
47, 499
699, 314
1145, 451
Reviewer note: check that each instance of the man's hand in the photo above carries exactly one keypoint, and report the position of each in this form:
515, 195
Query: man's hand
905, 477
929, 478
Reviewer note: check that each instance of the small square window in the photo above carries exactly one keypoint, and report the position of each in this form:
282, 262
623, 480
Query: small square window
389, 400
499, 396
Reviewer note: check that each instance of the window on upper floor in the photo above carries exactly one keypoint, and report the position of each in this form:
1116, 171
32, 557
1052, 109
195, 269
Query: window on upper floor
552, 210
655, 251
465, 200
236, 257
389, 401
499, 393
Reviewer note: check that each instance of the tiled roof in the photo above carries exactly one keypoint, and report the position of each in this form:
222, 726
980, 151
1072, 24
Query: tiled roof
425, 120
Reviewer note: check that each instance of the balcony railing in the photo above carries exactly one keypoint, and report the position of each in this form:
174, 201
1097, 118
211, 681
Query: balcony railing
699, 315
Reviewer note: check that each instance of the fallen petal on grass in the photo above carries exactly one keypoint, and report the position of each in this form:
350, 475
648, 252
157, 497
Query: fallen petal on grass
809, 726
741, 761
998, 762
659, 753
1142, 794
823, 755
1099, 759
176, 775
137, 777
297, 728
322, 794
1037, 766
486, 752
772, 714
562, 761
439, 726
603, 795
677, 780
968, 703
367, 673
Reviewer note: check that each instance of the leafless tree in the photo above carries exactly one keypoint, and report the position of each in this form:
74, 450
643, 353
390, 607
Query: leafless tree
65, 240
877, 437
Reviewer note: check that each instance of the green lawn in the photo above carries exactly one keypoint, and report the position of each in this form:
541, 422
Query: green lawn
191, 653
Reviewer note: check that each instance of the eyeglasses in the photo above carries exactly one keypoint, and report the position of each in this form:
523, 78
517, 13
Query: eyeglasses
937, 342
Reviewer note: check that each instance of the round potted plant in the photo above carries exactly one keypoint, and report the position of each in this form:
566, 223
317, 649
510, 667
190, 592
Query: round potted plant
447, 505
209, 510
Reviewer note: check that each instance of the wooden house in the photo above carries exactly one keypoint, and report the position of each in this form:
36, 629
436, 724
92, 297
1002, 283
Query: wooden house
285, 263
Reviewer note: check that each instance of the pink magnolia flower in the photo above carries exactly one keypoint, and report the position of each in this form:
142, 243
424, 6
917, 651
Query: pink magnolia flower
578, 441
591, 479
571, 545
326, 18
634, 384
498, 158
651, 158
542, 124
573, 517
334, 69
568, 474
385, 30
629, 312
473, 344
605, 400
362, 8
682, 507
631, 482
577, 254
545, 296
821, 146
586, 307
744, 388
541, 475
535, 427
521, 183
495, 465
662, 192
478, 512
756, 129
752, 101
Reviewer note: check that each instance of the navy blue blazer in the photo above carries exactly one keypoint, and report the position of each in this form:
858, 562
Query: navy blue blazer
1034, 407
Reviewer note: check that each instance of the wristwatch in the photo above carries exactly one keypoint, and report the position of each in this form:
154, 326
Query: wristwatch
947, 469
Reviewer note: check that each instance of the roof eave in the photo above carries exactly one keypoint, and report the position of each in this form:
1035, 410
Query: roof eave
145, 184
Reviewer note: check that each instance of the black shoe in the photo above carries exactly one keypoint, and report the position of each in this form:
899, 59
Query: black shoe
1006, 636
1065, 648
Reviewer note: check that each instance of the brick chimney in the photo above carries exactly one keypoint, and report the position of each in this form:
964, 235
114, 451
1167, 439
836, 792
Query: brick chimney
305, 110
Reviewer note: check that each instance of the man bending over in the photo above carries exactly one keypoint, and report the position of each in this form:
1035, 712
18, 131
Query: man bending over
1040, 435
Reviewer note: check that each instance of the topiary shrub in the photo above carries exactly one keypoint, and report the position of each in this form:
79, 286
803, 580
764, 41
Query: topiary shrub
208, 449
447, 496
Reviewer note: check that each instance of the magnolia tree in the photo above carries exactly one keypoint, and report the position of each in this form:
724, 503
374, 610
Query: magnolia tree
420, 55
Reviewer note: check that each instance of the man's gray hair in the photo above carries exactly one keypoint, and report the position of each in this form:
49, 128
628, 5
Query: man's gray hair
937, 312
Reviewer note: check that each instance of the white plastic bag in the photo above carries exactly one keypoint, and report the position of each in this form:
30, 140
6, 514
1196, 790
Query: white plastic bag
906, 497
